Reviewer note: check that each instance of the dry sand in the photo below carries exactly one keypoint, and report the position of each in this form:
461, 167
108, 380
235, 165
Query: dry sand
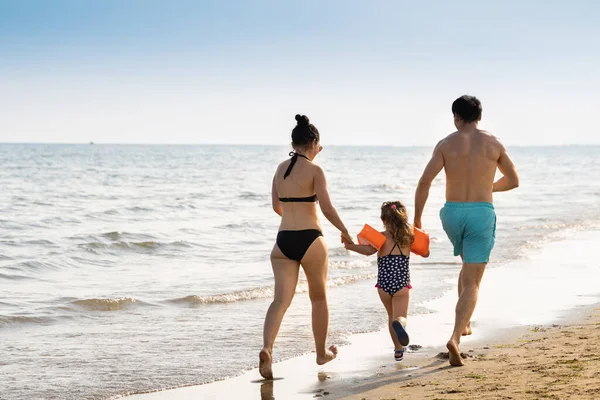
556, 362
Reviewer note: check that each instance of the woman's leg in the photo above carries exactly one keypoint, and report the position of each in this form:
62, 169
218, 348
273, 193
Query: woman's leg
315, 264
386, 299
286, 277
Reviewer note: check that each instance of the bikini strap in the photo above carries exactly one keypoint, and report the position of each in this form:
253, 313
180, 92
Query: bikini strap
395, 244
294, 156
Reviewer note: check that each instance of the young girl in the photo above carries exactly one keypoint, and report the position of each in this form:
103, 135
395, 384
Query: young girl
393, 277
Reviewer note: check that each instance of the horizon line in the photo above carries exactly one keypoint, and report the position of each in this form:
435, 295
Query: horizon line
92, 143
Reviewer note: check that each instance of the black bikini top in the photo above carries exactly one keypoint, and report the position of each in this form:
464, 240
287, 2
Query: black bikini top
309, 199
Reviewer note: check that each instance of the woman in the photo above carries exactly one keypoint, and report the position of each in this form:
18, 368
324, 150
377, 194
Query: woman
297, 185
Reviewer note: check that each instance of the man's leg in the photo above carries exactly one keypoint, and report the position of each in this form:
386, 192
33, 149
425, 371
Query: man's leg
468, 329
470, 276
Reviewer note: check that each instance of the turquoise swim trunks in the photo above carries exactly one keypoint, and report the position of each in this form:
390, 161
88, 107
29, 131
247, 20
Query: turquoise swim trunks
471, 227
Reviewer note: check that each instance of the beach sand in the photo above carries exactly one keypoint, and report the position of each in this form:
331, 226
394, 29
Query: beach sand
554, 362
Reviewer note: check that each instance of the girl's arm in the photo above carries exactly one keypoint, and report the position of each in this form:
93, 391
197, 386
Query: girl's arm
363, 249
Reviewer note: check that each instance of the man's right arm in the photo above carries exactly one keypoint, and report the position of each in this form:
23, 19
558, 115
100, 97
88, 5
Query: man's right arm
510, 178
432, 169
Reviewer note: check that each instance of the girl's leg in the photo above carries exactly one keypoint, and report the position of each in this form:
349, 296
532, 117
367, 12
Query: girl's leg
286, 277
315, 263
400, 305
386, 299
399, 312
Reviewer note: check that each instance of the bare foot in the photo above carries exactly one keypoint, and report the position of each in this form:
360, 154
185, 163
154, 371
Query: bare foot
467, 331
454, 353
329, 355
265, 365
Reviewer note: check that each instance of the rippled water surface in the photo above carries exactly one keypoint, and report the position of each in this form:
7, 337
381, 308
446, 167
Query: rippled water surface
133, 268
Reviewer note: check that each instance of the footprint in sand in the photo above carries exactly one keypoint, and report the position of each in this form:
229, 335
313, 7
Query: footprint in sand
444, 355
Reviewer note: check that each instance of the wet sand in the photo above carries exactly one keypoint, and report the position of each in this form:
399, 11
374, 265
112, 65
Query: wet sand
556, 362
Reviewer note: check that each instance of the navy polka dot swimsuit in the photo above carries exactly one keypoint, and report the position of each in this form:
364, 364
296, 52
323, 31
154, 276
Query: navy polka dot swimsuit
392, 272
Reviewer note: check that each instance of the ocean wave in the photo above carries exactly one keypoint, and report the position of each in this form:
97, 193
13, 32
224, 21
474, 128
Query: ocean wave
42, 242
10, 243
353, 208
551, 226
116, 235
149, 245
22, 319
351, 264
180, 206
33, 265
41, 203
386, 188
346, 280
106, 304
20, 199
436, 263
62, 220
241, 295
263, 292
112, 211
126, 241
243, 226
337, 251
22, 243
14, 226
14, 277
138, 209
252, 196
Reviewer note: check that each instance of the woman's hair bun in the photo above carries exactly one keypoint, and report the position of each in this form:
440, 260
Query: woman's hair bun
302, 119
304, 133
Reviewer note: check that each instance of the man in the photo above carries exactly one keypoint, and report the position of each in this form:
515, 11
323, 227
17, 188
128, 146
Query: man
469, 157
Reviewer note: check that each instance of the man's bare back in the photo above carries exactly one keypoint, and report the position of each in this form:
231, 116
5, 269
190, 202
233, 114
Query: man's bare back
469, 157
470, 161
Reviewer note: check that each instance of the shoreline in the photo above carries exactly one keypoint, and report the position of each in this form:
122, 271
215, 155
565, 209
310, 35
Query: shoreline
552, 361
354, 376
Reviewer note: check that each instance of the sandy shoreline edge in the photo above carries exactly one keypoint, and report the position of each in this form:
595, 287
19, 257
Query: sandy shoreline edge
555, 361
559, 360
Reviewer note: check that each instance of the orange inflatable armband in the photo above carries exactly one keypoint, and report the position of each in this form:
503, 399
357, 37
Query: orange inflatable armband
371, 236
420, 245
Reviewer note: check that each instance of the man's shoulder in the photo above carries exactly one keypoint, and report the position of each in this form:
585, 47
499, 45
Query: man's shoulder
491, 139
457, 139
446, 141
488, 134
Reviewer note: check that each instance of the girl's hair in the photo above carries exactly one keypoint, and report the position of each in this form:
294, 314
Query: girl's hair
395, 219
305, 133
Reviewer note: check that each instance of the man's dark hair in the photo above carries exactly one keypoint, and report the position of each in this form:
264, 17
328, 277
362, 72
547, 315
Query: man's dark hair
468, 108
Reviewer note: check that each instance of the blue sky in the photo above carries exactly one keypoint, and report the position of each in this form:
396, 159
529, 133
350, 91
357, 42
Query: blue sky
381, 72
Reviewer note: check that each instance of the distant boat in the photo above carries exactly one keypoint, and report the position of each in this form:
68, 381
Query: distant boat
91, 142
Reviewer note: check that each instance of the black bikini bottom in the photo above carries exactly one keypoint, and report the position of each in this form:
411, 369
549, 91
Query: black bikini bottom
293, 244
